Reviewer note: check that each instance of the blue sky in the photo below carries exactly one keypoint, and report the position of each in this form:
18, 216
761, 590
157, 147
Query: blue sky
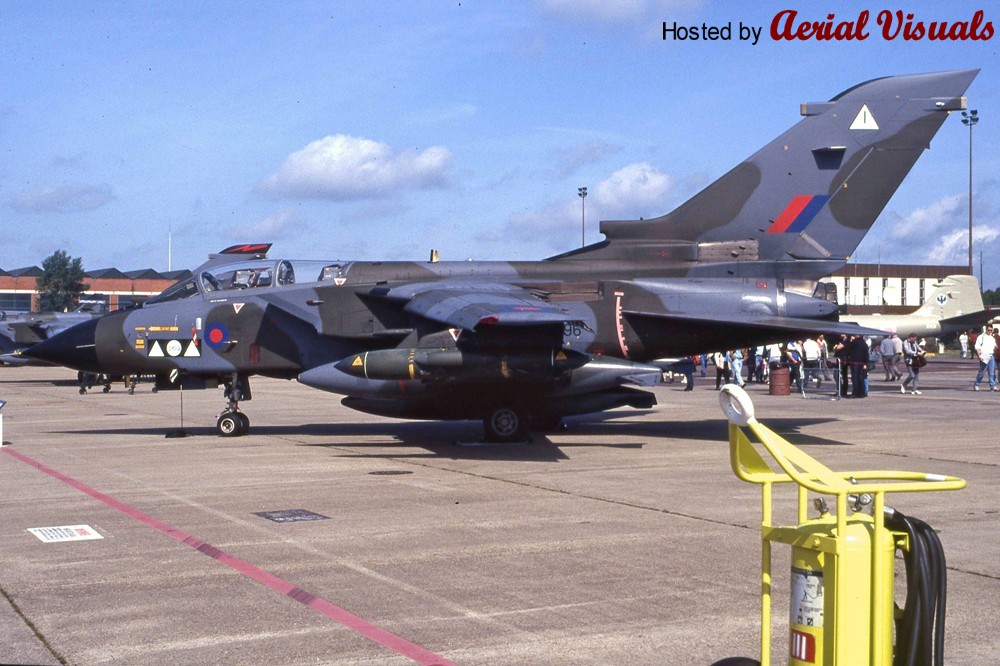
380, 130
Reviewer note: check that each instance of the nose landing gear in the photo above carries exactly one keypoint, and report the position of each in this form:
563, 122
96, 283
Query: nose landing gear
232, 422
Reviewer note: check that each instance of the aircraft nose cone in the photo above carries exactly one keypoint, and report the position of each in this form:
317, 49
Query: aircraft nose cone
74, 348
798, 305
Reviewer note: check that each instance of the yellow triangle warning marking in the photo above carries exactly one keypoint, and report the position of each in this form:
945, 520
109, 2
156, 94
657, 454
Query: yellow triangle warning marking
156, 349
864, 120
357, 362
561, 356
192, 350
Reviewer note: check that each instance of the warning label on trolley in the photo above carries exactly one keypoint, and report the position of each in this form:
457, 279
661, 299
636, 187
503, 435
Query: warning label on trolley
65, 533
807, 597
802, 646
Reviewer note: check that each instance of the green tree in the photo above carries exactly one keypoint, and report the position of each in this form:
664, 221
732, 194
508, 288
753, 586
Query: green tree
60, 283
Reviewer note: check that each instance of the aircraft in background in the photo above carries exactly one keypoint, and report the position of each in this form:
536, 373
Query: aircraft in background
955, 305
20, 331
520, 345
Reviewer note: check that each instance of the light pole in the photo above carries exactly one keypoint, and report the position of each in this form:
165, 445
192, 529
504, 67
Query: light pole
582, 193
970, 118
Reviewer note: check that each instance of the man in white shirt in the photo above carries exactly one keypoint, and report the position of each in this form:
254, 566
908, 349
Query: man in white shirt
986, 344
810, 360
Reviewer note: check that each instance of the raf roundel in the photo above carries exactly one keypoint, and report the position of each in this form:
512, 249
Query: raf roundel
216, 335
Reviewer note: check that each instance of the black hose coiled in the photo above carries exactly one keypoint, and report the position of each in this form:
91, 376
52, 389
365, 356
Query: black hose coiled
920, 631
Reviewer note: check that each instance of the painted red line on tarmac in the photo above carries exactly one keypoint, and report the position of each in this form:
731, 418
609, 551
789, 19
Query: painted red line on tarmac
322, 606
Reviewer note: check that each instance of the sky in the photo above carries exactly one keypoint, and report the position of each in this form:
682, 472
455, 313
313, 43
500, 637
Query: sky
149, 134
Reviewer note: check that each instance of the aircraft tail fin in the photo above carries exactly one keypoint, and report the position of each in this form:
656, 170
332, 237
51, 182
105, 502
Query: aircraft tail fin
953, 296
811, 194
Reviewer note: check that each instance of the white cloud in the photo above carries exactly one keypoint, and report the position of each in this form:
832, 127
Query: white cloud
557, 227
277, 226
636, 190
344, 168
953, 247
63, 198
941, 214
938, 232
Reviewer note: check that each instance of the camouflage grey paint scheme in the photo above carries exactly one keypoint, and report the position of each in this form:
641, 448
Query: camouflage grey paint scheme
522, 344
20, 331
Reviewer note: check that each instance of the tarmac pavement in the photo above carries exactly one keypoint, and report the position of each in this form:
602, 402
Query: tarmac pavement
624, 538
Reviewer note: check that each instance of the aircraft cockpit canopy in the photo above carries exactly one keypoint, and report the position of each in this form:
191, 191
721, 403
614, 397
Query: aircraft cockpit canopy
249, 275
333, 271
176, 292
254, 274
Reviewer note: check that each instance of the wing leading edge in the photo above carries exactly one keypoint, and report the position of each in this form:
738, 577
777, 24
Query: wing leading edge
470, 304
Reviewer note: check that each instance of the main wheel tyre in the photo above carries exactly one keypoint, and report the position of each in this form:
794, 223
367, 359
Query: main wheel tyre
244, 423
229, 424
505, 424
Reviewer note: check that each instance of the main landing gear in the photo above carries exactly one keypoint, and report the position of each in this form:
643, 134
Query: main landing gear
232, 422
506, 423
511, 422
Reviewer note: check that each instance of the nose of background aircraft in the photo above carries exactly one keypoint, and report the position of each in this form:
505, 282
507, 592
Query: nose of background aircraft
74, 348
800, 305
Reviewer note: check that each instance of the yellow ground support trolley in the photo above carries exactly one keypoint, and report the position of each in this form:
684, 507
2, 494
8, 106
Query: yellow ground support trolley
842, 610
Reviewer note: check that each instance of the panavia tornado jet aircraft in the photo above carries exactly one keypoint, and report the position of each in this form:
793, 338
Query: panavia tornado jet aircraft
520, 345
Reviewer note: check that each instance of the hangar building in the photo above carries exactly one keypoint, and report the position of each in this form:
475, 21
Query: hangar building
19, 292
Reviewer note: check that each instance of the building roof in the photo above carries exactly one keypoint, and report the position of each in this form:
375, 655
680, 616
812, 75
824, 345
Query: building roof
178, 275
145, 274
899, 271
27, 271
106, 274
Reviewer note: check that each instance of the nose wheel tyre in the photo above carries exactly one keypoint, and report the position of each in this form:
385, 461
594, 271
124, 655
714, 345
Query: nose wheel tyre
506, 424
233, 424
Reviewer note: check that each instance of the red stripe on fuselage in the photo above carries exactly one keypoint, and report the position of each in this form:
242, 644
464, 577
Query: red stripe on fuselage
792, 210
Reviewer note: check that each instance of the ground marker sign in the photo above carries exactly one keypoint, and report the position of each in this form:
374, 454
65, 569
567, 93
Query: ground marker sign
65, 533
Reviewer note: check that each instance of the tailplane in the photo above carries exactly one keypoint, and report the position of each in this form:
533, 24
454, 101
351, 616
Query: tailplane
801, 205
